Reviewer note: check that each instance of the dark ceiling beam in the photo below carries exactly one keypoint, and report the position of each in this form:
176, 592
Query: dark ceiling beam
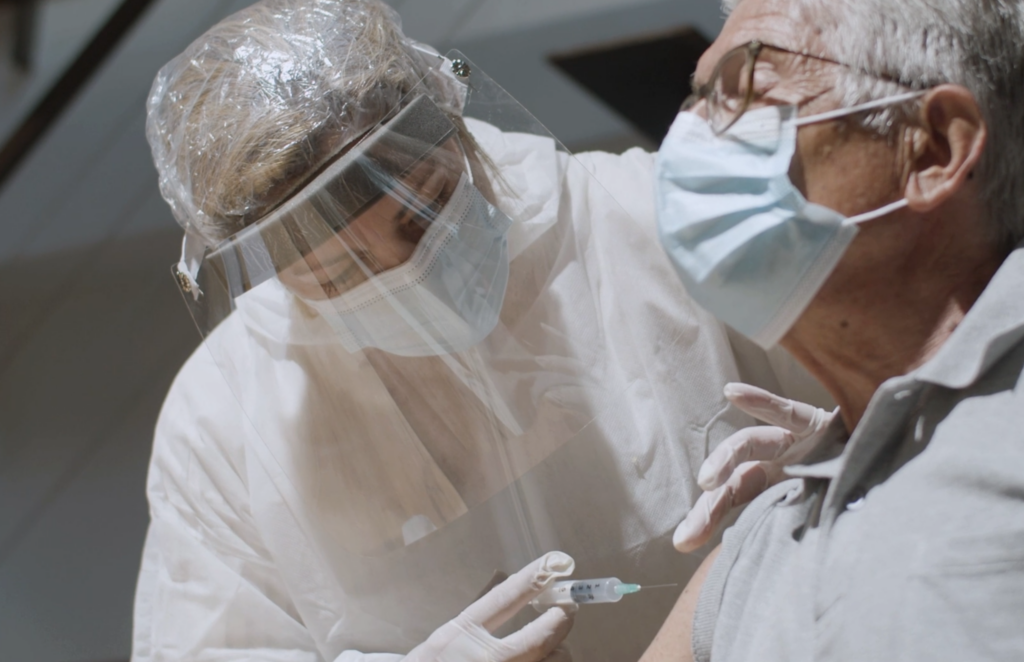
644, 78
63, 92
25, 14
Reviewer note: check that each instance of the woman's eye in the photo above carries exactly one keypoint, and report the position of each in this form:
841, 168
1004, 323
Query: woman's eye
349, 274
426, 214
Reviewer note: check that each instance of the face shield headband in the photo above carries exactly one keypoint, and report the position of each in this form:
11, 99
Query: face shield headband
371, 169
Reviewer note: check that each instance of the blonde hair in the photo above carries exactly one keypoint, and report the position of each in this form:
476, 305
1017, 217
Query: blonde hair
269, 95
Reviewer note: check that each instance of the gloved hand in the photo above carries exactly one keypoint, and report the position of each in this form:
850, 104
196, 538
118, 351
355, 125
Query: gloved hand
751, 460
468, 638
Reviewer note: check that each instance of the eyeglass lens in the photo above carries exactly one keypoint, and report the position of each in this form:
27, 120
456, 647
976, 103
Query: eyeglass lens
732, 88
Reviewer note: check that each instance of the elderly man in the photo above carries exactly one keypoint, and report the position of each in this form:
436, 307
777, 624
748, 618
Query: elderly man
857, 193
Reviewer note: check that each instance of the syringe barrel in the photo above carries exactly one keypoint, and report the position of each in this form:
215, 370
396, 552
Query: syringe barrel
578, 592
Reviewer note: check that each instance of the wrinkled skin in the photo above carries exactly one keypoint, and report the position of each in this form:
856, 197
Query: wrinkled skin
909, 278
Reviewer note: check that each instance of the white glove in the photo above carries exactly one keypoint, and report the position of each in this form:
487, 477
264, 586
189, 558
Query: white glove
468, 638
751, 460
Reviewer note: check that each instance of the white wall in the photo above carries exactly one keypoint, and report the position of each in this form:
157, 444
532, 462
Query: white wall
78, 397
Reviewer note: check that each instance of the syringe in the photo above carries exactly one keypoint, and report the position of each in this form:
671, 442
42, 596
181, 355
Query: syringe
585, 591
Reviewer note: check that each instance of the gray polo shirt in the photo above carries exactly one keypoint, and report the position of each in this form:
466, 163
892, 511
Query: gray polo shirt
905, 542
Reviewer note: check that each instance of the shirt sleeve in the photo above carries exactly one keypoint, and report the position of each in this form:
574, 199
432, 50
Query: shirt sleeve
748, 548
208, 588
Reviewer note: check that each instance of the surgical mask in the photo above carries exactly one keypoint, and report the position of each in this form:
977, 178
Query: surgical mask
445, 298
748, 246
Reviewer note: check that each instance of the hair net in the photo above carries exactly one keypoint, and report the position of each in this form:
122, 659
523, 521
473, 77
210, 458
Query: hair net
257, 105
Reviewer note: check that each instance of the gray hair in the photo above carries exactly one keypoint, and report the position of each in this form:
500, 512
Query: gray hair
978, 44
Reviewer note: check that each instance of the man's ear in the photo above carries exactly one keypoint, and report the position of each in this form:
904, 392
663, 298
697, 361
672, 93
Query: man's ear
947, 146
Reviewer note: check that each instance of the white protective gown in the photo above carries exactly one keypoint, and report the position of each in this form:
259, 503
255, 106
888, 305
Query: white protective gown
237, 563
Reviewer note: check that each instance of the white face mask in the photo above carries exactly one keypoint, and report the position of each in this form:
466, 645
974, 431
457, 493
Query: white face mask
748, 246
445, 298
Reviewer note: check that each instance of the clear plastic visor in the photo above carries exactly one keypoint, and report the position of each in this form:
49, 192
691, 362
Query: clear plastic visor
420, 343
363, 215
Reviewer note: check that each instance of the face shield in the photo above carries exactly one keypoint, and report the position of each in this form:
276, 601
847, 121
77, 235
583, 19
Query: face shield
393, 246
417, 342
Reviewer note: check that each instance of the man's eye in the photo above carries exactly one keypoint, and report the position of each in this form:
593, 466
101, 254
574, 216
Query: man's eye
765, 78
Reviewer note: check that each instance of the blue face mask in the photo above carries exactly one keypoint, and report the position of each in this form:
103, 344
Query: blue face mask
748, 246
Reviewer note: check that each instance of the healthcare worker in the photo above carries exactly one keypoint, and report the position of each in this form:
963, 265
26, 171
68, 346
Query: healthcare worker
437, 353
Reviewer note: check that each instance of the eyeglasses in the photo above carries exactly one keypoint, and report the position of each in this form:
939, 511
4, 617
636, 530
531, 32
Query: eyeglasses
730, 90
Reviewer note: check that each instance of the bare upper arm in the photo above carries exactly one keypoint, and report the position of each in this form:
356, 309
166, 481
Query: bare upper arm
674, 640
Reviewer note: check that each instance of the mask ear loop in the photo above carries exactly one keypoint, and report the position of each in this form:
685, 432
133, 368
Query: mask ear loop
853, 110
878, 213
844, 112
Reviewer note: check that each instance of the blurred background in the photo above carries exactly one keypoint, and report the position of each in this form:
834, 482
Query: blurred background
92, 328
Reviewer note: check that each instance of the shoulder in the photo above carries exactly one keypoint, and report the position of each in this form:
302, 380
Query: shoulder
636, 161
628, 177
975, 433
200, 434
753, 540
759, 556
510, 150
996, 401
613, 192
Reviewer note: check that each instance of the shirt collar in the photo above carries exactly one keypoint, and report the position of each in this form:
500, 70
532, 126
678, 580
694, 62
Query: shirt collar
827, 457
993, 326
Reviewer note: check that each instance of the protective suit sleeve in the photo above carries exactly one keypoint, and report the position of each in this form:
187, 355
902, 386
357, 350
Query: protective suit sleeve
614, 214
629, 179
208, 588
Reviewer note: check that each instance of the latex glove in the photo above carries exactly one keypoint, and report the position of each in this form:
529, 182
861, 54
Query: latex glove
468, 638
751, 460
